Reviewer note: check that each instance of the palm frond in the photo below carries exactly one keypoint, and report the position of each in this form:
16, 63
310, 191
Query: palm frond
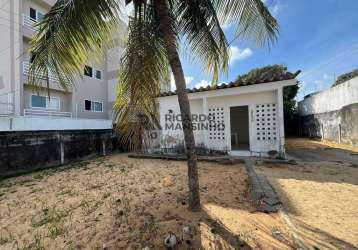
71, 32
198, 23
252, 19
144, 67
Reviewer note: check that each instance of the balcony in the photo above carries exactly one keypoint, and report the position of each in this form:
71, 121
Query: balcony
29, 23
52, 77
29, 27
38, 112
6, 105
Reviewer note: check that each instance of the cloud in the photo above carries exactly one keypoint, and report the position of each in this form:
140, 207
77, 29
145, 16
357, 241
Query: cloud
202, 83
237, 54
188, 80
274, 6
275, 9
327, 77
225, 24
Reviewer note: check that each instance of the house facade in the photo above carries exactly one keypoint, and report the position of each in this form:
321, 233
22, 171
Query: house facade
93, 94
241, 119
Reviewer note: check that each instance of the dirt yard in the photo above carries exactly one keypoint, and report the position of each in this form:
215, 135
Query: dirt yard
121, 203
307, 150
320, 198
304, 143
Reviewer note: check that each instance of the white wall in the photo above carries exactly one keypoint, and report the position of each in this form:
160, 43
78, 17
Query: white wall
330, 100
37, 124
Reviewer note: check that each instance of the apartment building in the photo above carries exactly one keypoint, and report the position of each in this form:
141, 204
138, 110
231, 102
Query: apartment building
91, 97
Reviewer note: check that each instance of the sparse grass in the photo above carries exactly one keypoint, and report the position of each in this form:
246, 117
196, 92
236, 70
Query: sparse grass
150, 230
49, 215
56, 230
40, 175
70, 191
35, 244
90, 206
118, 202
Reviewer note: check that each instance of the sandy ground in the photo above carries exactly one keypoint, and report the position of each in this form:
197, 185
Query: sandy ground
307, 150
304, 143
321, 198
121, 203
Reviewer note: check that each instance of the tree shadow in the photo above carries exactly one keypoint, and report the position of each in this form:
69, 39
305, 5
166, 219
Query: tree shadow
318, 239
288, 180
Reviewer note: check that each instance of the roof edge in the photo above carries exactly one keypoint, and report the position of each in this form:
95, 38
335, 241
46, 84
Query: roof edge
285, 77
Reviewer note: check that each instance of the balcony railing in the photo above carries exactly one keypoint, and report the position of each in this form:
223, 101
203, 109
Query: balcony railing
6, 105
46, 113
26, 69
29, 23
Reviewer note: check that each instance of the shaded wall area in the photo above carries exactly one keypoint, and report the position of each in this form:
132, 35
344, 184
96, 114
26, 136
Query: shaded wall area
340, 126
30, 150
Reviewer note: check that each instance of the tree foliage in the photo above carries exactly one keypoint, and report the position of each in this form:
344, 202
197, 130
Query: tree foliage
346, 77
75, 31
263, 73
289, 93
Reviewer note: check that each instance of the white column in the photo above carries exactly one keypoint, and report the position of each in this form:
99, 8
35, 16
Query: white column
104, 147
281, 123
62, 152
205, 112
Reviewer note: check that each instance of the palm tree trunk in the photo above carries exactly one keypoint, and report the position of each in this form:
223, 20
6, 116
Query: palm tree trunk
177, 69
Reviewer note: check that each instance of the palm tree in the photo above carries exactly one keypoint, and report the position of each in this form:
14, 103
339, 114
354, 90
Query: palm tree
157, 28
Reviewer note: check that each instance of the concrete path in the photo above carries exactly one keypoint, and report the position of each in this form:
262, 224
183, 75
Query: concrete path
262, 192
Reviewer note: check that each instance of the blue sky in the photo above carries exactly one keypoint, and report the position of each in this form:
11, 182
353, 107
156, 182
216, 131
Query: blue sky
319, 37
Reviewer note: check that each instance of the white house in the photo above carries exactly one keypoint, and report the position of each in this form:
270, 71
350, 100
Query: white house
242, 119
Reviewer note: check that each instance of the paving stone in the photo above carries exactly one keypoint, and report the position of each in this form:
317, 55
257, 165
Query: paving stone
261, 191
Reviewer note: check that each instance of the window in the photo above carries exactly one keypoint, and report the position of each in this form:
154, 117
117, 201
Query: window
93, 106
32, 57
45, 102
33, 14
38, 101
40, 16
98, 74
53, 103
36, 15
88, 105
88, 71
91, 72
97, 106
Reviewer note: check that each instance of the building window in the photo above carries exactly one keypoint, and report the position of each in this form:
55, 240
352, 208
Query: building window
40, 16
53, 103
36, 15
33, 14
38, 101
97, 106
45, 102
88, 71
88, 105
93, 106
98, 74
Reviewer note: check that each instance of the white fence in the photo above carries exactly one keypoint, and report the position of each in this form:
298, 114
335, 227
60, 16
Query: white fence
29, 23
23, 123
46, 113
6, 105
26, 69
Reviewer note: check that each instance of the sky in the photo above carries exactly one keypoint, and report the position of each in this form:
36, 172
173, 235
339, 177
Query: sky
319, 37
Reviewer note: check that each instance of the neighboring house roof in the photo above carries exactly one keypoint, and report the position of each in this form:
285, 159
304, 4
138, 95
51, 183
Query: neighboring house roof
287, 76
